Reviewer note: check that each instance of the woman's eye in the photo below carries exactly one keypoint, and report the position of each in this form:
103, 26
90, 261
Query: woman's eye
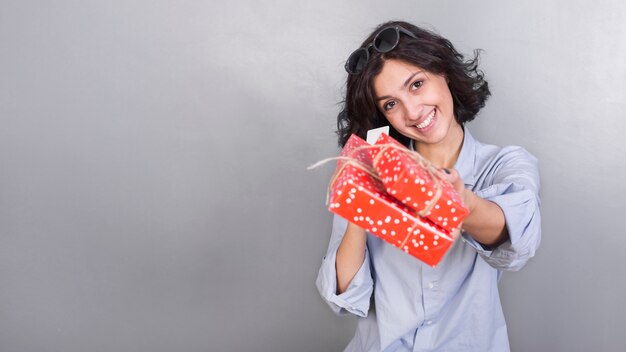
389, 105
417, 84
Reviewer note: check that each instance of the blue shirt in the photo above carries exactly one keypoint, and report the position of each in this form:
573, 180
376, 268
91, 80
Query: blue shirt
405, 305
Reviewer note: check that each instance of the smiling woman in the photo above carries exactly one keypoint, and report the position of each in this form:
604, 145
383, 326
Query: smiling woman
423, 49
420, 108
418, 83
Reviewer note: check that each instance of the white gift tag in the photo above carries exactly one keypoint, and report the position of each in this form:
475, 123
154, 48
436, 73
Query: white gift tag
372, 135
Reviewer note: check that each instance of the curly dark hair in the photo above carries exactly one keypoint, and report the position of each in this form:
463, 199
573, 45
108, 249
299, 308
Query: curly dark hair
428, 51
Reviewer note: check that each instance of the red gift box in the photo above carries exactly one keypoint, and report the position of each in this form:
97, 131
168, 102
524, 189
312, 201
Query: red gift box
358, 196
412, 180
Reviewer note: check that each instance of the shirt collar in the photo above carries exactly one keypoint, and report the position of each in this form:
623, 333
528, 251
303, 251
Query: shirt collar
467, 159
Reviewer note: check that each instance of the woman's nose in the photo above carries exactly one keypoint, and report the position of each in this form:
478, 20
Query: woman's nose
414, 112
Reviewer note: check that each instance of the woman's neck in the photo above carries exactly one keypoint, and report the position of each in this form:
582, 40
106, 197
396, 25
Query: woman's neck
446, 152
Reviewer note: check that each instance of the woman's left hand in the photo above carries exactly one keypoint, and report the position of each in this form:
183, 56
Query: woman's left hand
455, 179
485, 221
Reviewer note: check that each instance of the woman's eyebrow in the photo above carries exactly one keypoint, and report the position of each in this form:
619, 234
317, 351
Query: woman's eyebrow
408, 80
382, 98
406, 83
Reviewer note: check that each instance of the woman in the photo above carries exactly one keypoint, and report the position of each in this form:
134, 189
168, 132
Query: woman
415, 81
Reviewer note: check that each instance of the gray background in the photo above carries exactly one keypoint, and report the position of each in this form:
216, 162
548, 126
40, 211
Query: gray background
153, 191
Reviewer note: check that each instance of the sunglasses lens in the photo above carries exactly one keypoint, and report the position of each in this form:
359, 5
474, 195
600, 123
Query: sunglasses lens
357, 61
386, 40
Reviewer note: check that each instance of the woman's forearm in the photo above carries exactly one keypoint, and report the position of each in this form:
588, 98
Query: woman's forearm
486, 222
350, 256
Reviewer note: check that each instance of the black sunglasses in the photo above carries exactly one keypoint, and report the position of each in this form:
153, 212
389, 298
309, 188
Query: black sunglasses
385, 41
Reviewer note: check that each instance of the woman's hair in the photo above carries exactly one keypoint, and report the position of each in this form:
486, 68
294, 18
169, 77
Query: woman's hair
428, 51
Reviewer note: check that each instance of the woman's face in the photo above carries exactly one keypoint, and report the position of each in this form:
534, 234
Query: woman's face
417, 103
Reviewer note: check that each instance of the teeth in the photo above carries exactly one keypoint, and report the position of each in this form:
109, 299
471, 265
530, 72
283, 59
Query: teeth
428, 120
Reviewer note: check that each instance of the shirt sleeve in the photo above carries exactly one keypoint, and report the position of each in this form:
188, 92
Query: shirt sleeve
514, 187
356, 299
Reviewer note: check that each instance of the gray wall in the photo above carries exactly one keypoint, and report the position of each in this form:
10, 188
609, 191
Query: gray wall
153, 192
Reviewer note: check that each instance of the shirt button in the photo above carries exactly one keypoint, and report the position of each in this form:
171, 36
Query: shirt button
431, 285
429, 322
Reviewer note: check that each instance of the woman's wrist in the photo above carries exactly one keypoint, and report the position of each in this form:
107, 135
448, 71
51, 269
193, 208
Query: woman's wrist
469, 199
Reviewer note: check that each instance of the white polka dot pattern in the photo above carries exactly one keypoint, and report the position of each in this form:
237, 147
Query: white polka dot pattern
449, 210
358, 197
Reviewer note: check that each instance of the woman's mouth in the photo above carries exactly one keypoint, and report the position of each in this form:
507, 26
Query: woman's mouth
428, 121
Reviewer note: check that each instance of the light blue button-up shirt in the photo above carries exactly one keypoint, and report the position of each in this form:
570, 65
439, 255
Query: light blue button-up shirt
455, 306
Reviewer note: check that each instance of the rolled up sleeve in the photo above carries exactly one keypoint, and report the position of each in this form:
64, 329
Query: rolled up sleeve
356, 299
515, 189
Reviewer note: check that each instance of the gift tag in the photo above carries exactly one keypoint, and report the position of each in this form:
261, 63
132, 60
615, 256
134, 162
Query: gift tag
373, 134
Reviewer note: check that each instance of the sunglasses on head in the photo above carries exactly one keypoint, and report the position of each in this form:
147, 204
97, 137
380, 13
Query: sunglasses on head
385, 41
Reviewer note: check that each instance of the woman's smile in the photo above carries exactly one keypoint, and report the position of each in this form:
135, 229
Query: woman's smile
427, 121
